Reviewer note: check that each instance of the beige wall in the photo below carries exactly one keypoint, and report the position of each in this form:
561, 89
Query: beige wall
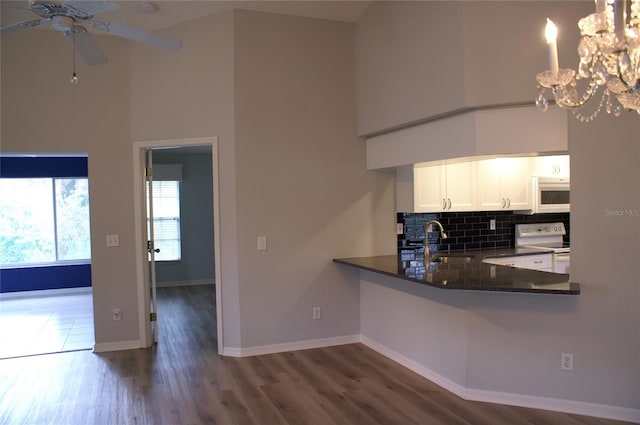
504, 47
420, 59
409, 62
278, 92
605, 226
190, 94
301, 179
43, 112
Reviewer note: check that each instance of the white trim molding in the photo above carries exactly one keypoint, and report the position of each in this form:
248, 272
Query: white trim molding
105, 347
139, 148
521, 400
290, 346
557, 405
432, 376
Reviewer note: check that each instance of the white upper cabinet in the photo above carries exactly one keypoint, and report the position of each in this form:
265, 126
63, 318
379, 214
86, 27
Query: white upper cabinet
437, 188
503, 184
474, 185
460, 184
429, 189
551, 166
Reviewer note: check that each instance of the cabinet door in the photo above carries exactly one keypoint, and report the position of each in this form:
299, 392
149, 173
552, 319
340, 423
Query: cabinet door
460, 186
428, 189
515, 183
551, 166
504, 184
489, 194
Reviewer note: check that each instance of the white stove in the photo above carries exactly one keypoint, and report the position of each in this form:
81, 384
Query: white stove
547, 236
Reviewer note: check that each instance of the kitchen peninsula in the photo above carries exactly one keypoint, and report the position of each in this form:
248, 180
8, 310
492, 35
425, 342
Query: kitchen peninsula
466, 271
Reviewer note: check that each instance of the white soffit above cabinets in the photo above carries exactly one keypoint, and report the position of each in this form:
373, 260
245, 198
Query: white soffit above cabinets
508, 131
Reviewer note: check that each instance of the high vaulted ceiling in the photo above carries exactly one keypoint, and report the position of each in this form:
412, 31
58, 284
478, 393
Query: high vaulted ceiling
154, 15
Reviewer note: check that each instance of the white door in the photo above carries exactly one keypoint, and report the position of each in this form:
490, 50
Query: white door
151, 249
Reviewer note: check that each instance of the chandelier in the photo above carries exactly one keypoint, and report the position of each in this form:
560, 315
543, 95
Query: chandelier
609, 51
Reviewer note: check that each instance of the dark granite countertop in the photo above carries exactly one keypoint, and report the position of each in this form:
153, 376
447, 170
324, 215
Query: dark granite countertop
471, 274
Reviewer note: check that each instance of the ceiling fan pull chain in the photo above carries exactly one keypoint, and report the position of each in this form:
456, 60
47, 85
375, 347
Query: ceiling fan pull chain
74, 78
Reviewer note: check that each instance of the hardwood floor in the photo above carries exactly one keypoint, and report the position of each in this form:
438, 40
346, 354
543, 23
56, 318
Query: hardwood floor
183, 381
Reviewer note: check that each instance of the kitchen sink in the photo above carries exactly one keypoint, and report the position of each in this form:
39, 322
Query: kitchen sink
451, 259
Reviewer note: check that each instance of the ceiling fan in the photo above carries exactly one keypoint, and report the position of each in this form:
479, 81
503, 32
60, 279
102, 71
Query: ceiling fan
72, 17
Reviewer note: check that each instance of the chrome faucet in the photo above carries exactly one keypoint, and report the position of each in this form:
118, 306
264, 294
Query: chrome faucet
427, 229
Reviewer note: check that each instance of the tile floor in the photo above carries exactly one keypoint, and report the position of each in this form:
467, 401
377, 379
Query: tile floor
45, 324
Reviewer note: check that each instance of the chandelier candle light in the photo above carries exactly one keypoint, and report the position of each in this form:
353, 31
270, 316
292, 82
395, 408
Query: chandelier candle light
609, 51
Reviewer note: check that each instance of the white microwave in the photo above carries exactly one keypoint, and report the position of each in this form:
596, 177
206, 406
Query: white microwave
551, 195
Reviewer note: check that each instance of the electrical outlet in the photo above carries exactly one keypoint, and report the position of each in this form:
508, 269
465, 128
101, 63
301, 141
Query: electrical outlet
492, 224
566, 361
316, 313
117, 314
399, 228
262, 243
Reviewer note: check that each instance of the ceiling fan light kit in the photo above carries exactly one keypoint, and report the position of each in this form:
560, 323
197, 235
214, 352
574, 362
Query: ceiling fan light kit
70, 17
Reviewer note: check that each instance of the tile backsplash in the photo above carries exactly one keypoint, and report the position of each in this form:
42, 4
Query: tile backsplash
468, 230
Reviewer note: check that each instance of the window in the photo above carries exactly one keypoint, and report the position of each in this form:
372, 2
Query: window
44, 220
166, 219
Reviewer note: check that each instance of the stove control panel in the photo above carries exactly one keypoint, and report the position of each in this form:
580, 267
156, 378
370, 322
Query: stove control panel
541, 229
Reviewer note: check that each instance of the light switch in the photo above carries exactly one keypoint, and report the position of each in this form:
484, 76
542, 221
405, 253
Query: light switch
262, 243
113, 240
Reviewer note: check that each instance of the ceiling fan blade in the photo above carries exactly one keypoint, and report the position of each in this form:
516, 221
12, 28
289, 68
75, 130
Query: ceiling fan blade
86, 8
86, 47
17, 26
136, 34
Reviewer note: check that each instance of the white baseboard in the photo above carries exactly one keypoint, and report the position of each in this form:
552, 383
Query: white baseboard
556, 405
116, 346
46, 293
544, 403
290, 346
421, 370
185, 283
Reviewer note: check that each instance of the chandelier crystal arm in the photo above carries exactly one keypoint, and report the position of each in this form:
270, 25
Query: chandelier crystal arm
564, 96
609, 51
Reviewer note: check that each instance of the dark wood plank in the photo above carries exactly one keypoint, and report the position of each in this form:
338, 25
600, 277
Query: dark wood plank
324, 390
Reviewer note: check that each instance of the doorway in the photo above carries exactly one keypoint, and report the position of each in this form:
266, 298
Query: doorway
196, 261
